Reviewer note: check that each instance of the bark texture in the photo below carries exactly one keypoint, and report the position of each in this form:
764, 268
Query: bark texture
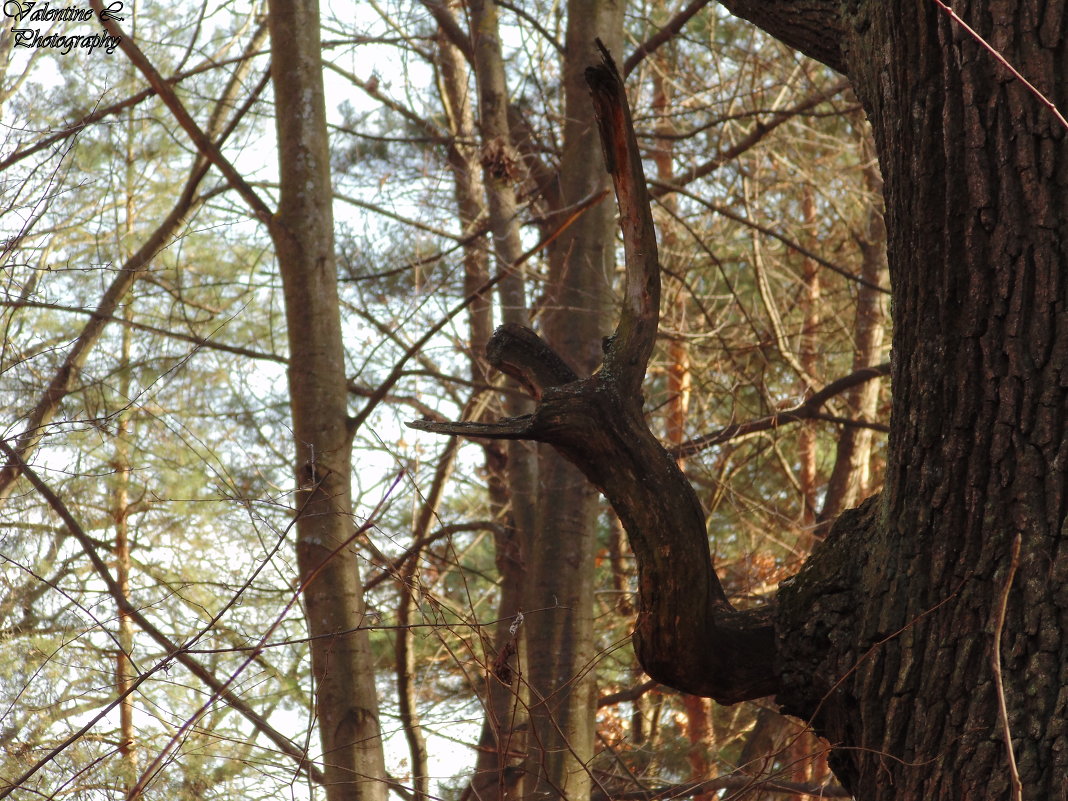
302, 230
888, 636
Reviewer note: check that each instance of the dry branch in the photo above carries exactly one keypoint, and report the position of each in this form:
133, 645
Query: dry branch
687, 635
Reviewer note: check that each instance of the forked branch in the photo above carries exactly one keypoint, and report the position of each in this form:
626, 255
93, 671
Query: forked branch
687, 635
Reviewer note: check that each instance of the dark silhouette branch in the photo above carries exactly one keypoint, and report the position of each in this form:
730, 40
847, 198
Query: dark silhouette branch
808, 410
687, 634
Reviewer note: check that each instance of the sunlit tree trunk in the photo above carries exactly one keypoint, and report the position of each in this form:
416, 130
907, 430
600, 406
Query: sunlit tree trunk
851, 477
120, 499
504, 736
560, 636
345, 696
808, 356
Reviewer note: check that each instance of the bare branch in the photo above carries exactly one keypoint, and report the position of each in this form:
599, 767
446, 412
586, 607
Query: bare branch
176, 651
630, 348
809, 410
203, 143
662, 36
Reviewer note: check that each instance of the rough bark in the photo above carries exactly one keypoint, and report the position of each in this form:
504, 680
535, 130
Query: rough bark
302, 229
888, 636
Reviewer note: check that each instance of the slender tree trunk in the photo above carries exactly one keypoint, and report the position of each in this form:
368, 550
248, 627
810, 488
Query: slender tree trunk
808, 357
120, 499
850, 479
404, 644
120, 509
342, 663
503, 740
561, 637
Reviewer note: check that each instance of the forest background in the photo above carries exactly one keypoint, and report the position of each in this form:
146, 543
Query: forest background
154, 639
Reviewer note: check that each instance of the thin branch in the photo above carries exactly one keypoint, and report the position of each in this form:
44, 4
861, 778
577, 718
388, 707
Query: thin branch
174, 650
1003, 712
664, 35
530, 18
809, 410
203, 143
398, 368
630, 694
193, 339
759, 130
101, 113
731, 215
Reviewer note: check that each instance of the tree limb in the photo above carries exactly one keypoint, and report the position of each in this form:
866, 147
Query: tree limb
812, 26
177, 652
808, 410
662, 36
687, 634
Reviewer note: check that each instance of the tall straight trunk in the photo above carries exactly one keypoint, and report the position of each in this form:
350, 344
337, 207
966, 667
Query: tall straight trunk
560, 638
808, 356
120, 497
302, 230
503, 737
120, 510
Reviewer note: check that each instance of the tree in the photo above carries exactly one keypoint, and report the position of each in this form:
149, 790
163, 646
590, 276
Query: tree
920, 637
302, 231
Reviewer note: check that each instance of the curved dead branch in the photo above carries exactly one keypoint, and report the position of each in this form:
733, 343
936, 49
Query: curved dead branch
687, 635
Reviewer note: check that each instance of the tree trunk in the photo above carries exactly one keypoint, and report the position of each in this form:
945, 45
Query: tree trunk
851, 478
560, 637
889, 637
923, 638
342, 664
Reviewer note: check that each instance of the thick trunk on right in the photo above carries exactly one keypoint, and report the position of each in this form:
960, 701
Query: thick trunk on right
924, 637
918, 587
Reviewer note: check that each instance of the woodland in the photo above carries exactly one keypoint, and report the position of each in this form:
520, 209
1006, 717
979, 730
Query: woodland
480, 400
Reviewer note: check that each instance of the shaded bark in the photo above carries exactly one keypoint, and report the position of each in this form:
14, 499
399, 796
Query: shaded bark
889, 634
342, 663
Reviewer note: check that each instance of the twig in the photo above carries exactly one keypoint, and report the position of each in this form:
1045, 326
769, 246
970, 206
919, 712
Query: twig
995, 658
1005, 63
